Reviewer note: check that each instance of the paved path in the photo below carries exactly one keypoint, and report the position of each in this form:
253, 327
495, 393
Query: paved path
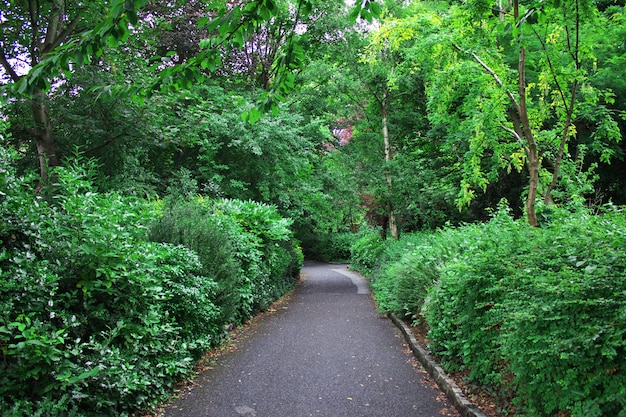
325, 353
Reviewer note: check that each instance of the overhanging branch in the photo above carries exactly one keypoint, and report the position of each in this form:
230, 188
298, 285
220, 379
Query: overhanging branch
492, 73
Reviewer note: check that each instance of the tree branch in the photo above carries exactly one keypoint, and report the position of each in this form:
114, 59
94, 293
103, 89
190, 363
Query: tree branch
516, 136
35, 46
492, 73
7, 66
104, 144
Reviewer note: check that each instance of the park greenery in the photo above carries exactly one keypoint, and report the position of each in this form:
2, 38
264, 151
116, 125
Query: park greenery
165, 167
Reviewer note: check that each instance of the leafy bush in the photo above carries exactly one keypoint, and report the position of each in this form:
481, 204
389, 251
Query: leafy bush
330, 247
542, 307
94, 320
366, 250
194, 226
408, 268
536, 313
264, 245
246, 247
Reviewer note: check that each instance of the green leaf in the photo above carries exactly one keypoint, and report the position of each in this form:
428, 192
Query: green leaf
375, 10
132, 17
254, 115
84, 375
22, 86
202, 22
355, 12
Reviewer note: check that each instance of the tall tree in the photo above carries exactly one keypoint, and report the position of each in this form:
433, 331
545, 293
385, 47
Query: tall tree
531, 73
34, 31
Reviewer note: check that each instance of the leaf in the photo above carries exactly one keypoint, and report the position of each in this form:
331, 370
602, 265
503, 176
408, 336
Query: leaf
132, 16
354, 13
84, 375
22, 85
375, 10
202, 22
254, 115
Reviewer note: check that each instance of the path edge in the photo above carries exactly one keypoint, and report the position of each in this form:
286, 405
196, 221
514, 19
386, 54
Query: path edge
446, 384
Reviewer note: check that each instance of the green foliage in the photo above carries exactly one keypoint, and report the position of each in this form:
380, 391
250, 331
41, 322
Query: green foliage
408, 268
194, 226
95, 319
329, 247
534, 314
245, 247
263, 244
543, 307
366, 249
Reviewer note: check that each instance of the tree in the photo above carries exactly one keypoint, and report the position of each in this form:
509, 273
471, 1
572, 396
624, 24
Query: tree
34, 33
523, 107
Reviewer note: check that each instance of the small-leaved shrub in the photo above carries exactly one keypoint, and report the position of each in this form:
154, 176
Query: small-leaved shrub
408, 268
536, 314
540, 308
366, 250
94, 319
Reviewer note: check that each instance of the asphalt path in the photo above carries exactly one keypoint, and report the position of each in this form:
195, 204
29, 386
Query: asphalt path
324, 353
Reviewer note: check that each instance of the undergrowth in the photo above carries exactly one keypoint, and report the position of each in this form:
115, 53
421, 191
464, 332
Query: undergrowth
540, 312
96, 318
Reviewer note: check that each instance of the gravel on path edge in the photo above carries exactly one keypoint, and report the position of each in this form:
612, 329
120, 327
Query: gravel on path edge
446, 384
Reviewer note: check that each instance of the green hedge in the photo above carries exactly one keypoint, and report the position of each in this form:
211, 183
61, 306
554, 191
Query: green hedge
247, 247
328, 247
96, 319
540, 312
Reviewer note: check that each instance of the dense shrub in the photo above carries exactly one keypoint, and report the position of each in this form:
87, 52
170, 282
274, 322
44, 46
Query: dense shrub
94, 319
265, 247
193, 225
536, 313
246, 247
542, 307
329, 247
366, 249
408, 268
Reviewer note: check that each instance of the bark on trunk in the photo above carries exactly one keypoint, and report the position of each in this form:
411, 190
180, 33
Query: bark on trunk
46, 149
393, 226
533, 154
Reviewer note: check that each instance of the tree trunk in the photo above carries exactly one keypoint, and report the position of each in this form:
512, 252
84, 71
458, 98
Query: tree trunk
46, 149
574, 46
533, 153
393, 227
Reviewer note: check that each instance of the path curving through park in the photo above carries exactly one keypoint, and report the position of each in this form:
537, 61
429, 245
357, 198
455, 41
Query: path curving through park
324, 353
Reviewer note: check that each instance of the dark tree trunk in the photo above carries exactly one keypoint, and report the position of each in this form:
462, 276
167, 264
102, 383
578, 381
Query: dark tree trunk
46, 149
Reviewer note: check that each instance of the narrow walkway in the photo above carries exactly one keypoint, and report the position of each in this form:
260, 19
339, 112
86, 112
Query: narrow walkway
326, 353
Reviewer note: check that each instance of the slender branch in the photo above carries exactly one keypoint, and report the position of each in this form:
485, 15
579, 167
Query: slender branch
516, 136
52, 31
569, 111
7, 66
551, 66
35, 45
66, 33
492, 73
104, 144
